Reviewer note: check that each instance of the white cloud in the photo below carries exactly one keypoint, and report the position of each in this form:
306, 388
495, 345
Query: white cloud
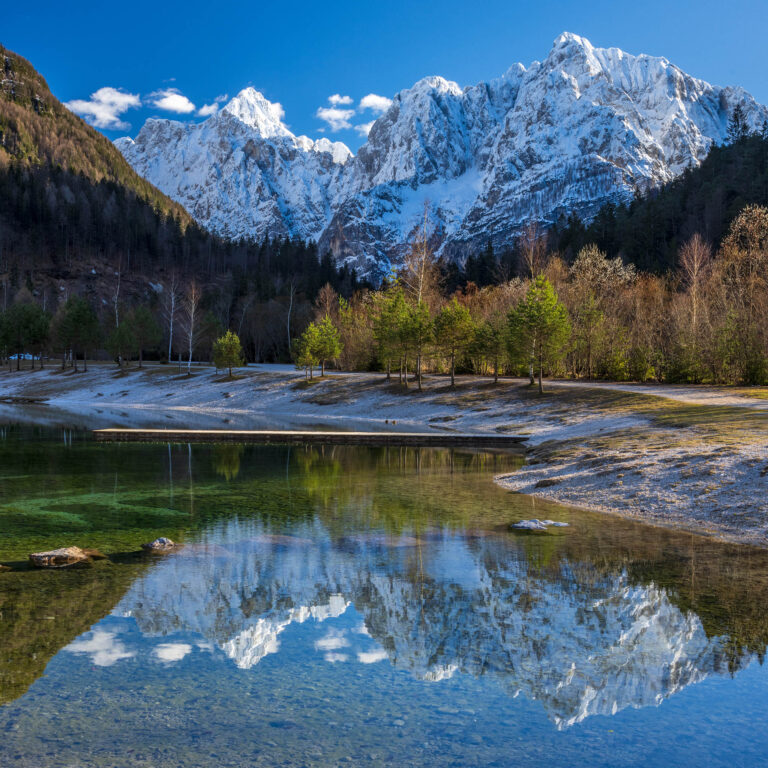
334, 657
103, 647
371, 657
337, 119
364, 128
172, 100
375, 103
337, 99
277, 111
171, 652
104, 108
211, 109
332, 642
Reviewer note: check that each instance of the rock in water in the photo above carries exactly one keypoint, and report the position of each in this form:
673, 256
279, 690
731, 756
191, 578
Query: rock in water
161, 544
529, 525
5, 568
537, 525
57, 558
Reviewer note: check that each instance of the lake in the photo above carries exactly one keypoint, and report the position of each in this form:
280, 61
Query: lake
358, 606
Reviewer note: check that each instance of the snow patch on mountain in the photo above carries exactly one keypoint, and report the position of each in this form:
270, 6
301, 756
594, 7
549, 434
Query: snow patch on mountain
252, 109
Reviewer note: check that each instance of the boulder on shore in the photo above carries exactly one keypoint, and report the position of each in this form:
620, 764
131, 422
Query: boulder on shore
161, 544
57, 558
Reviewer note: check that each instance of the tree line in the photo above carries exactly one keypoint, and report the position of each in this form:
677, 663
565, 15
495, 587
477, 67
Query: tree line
649, 230
594, 318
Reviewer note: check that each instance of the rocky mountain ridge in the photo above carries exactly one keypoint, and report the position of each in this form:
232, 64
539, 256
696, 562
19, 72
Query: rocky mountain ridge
582, 127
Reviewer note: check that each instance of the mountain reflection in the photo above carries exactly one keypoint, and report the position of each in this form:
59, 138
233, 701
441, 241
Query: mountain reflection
580, 639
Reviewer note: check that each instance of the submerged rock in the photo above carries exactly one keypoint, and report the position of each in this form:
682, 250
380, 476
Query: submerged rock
94, 554
537, 525
57, 558
529, 525
161, 544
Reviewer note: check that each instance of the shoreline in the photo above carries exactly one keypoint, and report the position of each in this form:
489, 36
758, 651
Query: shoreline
690, 458
316, 437
683, 525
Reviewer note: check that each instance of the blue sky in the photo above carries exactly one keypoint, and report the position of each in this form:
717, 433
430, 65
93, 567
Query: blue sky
172, 55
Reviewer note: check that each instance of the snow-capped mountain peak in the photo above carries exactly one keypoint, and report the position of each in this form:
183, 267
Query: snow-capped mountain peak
251, 108
337, 149
580, 128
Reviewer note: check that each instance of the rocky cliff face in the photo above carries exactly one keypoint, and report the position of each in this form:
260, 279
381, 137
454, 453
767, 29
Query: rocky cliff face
583, 127
242, 173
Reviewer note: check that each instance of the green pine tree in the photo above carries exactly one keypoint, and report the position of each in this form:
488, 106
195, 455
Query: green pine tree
490, 342
538, 325
416, 333
25, 328
328, 343
146, 330
454, 330
228, 352
389, 309
305, 349
75, 329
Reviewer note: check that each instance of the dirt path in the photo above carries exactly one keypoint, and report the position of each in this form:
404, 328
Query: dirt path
683, 393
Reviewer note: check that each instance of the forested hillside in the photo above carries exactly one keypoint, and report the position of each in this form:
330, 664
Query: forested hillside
37, 130
77, 221
650, 231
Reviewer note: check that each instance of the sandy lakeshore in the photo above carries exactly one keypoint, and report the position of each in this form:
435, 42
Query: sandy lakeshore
689, 457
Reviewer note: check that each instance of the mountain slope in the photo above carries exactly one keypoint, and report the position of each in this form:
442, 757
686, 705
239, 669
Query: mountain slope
37, 130
583, 127
74, 215
242, 173
651, 229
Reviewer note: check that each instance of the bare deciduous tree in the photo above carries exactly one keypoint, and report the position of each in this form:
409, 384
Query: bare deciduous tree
191, 320
532, 245
695, 258
327, 303
170, 307
419, 274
